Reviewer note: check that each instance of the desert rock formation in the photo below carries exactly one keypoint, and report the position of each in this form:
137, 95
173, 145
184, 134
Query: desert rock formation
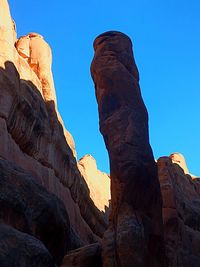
37, 53
88, 256
35, 141
51, 206
26, 250
134, 236
98, 182
181, 213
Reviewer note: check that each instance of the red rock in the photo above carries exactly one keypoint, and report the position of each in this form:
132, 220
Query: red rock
134, 237
32, 133
181, 214
30, 208
19, 249
97, 181
88, 256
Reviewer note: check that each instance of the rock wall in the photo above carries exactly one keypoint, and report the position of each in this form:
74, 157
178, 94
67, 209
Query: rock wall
32, 134
181, 212
47, 199
98, 182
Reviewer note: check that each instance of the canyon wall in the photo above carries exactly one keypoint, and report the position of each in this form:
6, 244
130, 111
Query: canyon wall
181, 211
32, 133
53, 209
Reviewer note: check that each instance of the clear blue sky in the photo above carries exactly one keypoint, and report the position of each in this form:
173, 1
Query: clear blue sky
166, 38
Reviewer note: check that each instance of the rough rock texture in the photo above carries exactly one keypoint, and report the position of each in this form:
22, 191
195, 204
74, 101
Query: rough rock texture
32, 134
181, 214
21, 250
179, 159
88, 256
134, 237
30, 208
98, 182
37, 53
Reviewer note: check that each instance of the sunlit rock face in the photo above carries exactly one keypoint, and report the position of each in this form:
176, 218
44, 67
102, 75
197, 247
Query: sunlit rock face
98, 182
179, 159
32, 134
181, 212
37, 52
135, 233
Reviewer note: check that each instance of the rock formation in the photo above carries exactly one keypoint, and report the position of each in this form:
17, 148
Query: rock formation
98, 182
179, 159
37, 53
20, 249
30, 208
181, 213
134, 236
88, 256
52, 206
36, 148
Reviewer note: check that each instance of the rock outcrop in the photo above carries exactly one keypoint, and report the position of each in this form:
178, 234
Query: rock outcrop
35, 141
37, 53
30, 208
135, 234
181, 212
88, 256
98, 182
52, 206
20, 249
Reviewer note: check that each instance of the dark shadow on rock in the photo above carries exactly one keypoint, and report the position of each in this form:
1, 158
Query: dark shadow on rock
26, 205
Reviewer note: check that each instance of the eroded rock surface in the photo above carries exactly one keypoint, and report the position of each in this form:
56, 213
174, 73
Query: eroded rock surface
30, 208
19, 249
32, 133
88, 256
37, 53
98, 182
181, 213
134, 237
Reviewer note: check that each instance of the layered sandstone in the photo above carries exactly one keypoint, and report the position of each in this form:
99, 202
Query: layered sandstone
32, 134
98, 182
134, 236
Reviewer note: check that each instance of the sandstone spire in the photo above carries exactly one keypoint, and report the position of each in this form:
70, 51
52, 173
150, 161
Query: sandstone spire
134, 237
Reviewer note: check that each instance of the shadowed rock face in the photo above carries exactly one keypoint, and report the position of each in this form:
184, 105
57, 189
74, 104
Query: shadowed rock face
134, 237
19, 249
88, 256
181, 212
32, 133
30, 208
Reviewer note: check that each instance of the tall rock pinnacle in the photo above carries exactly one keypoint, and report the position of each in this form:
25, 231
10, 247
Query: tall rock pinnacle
134, 236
